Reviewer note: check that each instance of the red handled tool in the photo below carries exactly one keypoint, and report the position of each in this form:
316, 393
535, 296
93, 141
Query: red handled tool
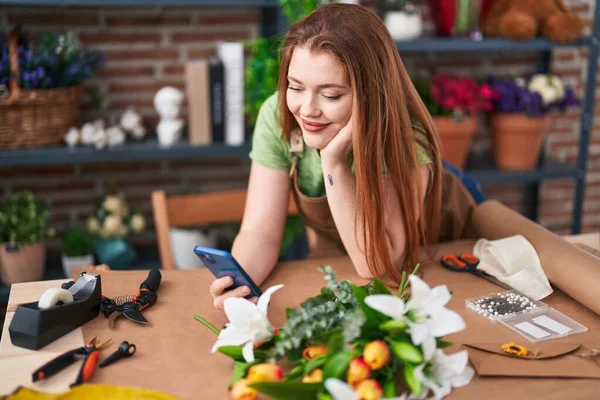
468, 263
89, 353
131, 306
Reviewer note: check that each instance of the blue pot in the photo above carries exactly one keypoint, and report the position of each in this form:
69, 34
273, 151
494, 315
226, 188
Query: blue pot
116, 252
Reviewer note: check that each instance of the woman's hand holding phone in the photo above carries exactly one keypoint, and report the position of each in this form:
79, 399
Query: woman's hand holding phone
219, 291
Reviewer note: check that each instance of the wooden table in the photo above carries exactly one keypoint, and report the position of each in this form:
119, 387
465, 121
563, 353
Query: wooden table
174, 351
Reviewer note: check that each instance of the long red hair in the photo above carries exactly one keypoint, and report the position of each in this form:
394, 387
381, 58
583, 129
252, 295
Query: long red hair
384, 101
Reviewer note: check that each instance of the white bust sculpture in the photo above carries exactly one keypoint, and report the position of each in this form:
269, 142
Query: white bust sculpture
167, 102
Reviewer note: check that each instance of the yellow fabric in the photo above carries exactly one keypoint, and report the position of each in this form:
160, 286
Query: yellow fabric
92, 392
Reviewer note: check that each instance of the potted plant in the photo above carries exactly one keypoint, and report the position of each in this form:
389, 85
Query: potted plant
521, 116
24, 228
454, 102
402, 19
112, 222
77, 249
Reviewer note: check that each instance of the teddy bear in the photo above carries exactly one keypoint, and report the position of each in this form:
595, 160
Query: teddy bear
526, 19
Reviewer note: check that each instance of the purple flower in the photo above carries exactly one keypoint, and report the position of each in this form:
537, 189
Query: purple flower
44, 66
515, 98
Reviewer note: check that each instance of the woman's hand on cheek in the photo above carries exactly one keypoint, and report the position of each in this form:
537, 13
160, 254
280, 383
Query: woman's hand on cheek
338, 148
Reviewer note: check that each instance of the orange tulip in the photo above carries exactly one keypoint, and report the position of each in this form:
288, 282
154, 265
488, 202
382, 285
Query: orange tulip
314, 376
376, 354
313, 351
241, 391
358, 371
265, 372
369, 390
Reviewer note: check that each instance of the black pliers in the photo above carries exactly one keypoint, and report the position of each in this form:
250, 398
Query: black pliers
88, 353
131, 306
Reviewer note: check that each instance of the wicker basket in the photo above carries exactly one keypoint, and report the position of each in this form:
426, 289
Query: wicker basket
35, 118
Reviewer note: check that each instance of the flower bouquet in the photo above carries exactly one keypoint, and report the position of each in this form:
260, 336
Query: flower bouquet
112, 222
349, 342
454, 102
520, 118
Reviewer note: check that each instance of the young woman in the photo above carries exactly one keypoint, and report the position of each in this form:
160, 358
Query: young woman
349, 135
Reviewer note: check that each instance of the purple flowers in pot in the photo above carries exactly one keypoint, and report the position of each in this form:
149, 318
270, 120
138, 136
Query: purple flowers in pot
533, 95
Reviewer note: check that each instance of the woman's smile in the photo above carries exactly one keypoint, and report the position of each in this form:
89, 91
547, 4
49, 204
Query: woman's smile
313, 126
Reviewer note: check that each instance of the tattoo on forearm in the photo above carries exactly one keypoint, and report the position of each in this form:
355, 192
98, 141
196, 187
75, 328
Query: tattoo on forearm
330, 179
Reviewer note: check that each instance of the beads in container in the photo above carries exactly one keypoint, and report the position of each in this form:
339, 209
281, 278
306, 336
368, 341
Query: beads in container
497, 306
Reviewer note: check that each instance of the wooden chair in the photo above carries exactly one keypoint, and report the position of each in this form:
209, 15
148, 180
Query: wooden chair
196, 209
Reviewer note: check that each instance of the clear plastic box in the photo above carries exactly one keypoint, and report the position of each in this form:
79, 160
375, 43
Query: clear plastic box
543, 324
475, 304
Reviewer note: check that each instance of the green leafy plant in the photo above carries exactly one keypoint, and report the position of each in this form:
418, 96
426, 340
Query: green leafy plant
24, 219
262, 69
295, 10
77, 242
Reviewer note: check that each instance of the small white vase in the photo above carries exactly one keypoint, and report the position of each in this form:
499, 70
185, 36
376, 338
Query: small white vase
183, 242
404, 26
68, 263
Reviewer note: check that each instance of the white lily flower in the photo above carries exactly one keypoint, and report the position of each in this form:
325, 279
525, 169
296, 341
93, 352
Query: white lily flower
248, 324
340, 390
429, 319
446, 372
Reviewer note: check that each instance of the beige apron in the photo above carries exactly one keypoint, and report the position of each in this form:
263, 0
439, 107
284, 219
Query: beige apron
322, 234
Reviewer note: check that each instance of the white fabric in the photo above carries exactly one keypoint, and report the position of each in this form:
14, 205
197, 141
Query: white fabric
514, 261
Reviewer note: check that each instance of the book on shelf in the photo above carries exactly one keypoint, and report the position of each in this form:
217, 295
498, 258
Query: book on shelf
205, 89
231, 55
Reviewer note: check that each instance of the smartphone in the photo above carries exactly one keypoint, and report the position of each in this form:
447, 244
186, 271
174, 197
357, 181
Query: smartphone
222, 263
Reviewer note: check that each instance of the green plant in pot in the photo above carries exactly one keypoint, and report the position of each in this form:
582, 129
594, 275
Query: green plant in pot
77, 249
24, 229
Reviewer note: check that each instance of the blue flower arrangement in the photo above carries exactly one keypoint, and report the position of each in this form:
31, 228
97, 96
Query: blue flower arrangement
533, 96
50, 61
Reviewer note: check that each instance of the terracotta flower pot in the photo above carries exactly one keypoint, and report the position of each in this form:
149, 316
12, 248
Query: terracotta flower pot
22, 264
518, 140
456, 137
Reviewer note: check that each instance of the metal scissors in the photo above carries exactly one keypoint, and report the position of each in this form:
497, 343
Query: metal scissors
468, 262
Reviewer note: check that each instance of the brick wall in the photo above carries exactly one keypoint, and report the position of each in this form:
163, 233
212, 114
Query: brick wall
147, 49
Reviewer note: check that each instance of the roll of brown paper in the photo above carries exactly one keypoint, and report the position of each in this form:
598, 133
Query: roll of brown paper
569, 268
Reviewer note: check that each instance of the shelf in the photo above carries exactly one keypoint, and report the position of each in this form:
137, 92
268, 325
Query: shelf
131, 151
141, 3
480, 168
484, 171
451, 44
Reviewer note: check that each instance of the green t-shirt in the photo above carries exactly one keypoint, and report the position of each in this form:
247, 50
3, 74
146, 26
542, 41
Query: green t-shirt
270, 149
